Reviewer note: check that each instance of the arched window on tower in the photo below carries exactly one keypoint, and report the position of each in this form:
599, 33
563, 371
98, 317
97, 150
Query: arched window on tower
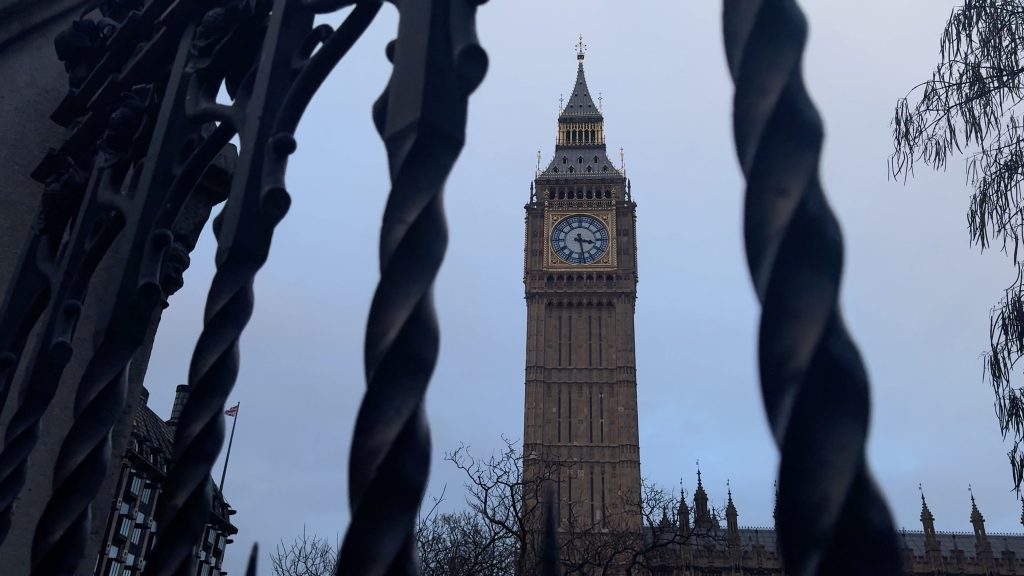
595, 160
579, 160
564, 159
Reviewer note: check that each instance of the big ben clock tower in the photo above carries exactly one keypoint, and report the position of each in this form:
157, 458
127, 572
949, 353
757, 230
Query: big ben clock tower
581, 276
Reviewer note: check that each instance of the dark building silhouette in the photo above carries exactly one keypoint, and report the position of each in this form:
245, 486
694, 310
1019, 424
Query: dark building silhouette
707, 545
131, 526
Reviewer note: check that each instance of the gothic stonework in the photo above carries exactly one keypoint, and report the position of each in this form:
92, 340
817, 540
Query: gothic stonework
581, 441
706, 547
581, 277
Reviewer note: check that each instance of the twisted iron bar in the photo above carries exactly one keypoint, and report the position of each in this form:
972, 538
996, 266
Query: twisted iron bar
286, 79
85, 250
421, 117
832, 516
26, 300
106, 208
152, 271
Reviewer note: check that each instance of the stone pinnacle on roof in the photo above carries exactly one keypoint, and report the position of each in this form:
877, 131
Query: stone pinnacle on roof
730, 508
977, 521
684, 510
926, 514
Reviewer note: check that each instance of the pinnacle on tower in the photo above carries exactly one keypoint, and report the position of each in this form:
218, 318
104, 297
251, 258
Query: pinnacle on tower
931, 541
977, 520
775, 508
702, 520
684, 511
732, 519
926, 514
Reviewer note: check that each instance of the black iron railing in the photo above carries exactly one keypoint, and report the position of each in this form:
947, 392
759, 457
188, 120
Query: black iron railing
146, 137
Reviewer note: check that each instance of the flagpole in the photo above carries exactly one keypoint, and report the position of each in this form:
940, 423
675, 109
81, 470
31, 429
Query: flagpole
234, 422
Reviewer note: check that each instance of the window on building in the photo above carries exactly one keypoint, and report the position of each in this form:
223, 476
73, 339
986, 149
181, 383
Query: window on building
113, 551
147, 494
558, 423
115, 569
136, 535
593, 514
126, 525
136, 485
570, 420
124, 508
559, 339
590, 414
129, 560
570, 340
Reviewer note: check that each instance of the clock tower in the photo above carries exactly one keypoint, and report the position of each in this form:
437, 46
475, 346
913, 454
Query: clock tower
581, 276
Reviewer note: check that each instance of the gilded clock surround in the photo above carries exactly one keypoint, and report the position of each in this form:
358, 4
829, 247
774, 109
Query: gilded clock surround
607, 261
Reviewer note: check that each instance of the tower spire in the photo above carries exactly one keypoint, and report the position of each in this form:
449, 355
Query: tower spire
931, 541
977, 520
775, 508
581, 51
701, 513
684, 511
732, 519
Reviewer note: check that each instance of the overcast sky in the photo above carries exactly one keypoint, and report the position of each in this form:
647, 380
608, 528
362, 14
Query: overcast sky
916, 294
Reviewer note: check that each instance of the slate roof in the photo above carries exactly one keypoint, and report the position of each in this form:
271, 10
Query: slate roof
158, 436
964, 541
581, 106
602, 167
155, 431
912, 539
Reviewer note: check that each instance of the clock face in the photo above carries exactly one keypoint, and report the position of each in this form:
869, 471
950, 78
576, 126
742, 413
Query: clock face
579, 239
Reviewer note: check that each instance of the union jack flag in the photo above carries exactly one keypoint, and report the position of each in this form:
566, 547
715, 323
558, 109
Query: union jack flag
233, 411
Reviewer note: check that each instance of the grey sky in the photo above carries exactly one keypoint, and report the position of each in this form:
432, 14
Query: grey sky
916, 295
